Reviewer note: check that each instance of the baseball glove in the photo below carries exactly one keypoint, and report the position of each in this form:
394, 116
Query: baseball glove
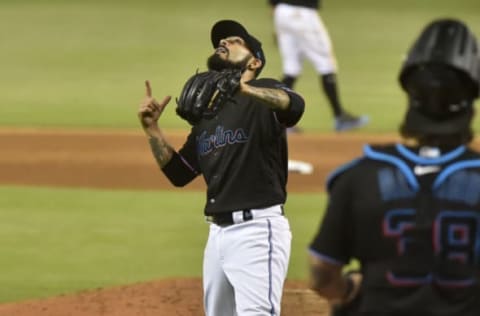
205, 92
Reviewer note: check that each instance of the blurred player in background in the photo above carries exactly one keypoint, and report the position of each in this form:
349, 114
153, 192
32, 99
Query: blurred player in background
301, 34
410, 212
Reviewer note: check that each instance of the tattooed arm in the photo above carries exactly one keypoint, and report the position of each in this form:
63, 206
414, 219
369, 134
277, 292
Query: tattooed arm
148, 113
175, 166
162, 151
287, 104
276, 99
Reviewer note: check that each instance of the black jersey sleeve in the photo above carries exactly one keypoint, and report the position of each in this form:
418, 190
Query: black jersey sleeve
183, 167
294, 112
333, 241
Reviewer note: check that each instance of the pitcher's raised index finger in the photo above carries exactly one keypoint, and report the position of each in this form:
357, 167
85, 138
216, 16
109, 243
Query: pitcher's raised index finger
149, 89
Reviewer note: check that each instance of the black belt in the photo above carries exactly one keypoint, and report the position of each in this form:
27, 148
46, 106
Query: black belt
225, 219
230, 218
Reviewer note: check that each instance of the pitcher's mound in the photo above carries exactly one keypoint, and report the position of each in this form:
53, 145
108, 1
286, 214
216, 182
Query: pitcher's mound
173, 297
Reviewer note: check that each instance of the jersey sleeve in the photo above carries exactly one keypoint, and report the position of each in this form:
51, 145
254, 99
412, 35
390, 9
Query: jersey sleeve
333, 241
294, 112
183, 167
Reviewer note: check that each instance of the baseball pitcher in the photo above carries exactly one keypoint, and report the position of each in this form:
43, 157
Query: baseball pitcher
238, 144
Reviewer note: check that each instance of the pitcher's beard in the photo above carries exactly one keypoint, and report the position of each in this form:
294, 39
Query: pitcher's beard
215, 62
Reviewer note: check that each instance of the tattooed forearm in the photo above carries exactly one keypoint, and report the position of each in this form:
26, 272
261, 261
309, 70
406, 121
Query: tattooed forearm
274, 98
161, 150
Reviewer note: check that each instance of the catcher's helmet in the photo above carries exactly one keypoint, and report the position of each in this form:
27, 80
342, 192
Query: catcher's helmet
441, 75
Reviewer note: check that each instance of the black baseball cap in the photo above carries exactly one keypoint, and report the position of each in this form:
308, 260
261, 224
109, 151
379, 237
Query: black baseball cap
226, 28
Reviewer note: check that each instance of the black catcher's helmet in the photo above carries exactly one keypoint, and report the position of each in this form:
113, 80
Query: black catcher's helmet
441, 76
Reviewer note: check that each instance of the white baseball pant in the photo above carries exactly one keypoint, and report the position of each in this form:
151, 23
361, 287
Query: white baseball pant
302, 34
245, 265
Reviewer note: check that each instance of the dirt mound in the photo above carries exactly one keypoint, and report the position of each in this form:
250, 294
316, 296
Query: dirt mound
173, 297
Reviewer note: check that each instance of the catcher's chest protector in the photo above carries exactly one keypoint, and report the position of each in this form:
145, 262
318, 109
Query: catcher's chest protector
417, 227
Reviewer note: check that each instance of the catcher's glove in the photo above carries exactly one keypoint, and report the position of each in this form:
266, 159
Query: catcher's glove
205, 92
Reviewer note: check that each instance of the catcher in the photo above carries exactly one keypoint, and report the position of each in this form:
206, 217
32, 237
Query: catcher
238, 143
410, 211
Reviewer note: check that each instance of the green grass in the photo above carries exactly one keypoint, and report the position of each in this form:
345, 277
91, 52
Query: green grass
83, 63
58, 241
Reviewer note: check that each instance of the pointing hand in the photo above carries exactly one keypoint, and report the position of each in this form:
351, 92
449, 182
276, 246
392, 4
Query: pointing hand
150, 109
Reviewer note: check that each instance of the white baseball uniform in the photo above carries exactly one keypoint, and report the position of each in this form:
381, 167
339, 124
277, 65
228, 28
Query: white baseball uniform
252, 258
302, 34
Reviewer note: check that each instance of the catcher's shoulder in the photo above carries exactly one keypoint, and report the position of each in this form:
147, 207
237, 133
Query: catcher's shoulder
363, 163
342, 170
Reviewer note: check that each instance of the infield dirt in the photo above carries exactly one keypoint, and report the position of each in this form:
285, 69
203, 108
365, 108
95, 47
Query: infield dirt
122, 159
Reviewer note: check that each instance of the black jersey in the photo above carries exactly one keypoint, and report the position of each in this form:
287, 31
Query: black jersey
314, 4
242, 153
414, 225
